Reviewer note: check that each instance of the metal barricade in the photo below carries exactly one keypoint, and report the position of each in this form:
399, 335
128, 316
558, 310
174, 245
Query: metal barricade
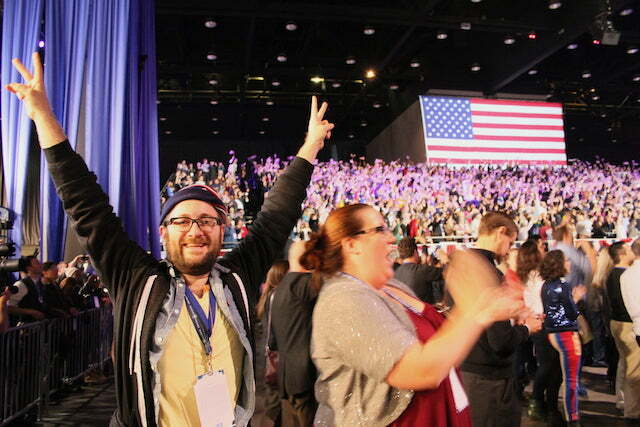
38, 359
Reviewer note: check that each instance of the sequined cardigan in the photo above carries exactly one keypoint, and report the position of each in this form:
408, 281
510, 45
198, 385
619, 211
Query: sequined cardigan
357, 338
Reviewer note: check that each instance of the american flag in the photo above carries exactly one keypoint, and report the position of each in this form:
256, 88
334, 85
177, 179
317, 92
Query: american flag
484, 131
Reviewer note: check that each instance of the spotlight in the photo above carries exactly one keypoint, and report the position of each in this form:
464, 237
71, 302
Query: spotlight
636, 78
508, 40
213, 102
465, 26
291, 26
475, 67
377, 105
275, 83
212, 56
265, 119
350, 60
262, 132
369, 31
554, 4
316, 79
572, 46
586, 74
282, 57
595, 42
269, 102
442, 35
626, 12
394, 86
336, 85
532, 35
414, 63
167, 132
632, 50
213, 82
215, 132
350, 135
370, 74
532, 72
41, 44
214, 119
363, 123
595, 97
163, 119
476, 1
210, 23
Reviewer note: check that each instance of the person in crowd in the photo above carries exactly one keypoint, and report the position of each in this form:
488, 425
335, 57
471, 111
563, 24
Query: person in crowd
630, 290
621, 326
559, 300
27, 305
167, 349
71, 286
582, 258
264, 313
596, 310
424, 280
52, 295
383, 356
544, 400
4, 312
488, 372
293, 304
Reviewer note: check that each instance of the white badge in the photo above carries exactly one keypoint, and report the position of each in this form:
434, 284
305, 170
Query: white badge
214, 403
459, 395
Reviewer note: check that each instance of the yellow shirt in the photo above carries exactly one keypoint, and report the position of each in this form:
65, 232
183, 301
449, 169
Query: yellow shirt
184, 359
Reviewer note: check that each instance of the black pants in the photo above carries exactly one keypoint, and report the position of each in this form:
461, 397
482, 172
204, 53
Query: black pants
493, 402
546, 386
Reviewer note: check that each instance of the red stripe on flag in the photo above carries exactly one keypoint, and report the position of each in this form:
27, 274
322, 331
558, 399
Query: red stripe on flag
518, 103
470, 148
496, 161
529, 115
511, 126
520, 138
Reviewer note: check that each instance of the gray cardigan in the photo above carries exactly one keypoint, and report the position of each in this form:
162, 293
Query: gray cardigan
357, 338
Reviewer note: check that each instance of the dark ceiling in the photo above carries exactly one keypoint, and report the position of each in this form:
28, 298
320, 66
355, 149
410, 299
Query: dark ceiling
227, 98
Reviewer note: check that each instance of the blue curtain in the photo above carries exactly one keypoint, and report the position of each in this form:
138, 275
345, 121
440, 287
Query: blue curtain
108, 65
66, 30
20, 30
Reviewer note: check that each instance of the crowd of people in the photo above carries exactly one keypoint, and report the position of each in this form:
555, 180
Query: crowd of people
368, 348
429, 202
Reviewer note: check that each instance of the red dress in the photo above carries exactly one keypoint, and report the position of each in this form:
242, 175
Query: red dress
433, 408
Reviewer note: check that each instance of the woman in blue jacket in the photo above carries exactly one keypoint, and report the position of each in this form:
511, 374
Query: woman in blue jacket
559, 302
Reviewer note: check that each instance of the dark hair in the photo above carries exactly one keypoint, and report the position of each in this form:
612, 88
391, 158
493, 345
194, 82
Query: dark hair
493, 220
48, 265
552, 265
407, 247
635, 247
615, 251
323, 251
29, 259
274, 277
529, 258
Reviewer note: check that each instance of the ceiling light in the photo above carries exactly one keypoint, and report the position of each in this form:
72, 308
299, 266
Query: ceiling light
554, 4
532, 72
369, 31
275, 83
595, 42
364, 123
509, 40
282, 57
163, 119
532, 35
394, 86
572, 46
377, 105
213, 82
269, 102
214, 119
265, 119
350, 135
414, 63
475, 67
213, 102
158, 101
336, 85
636, 78
632, 50
210, 23
476, 1
316, 79
442, 35
212, 56
167, 132
465, 26
370, 74
291, 26
41, 44
595, 97
586, 74
215, 132
262, 132
350, 60
626, 12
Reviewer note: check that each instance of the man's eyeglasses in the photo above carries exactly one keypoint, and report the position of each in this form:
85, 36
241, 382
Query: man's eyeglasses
184, 223
379, 229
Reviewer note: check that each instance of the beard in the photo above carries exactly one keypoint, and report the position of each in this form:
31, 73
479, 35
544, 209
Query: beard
192, 265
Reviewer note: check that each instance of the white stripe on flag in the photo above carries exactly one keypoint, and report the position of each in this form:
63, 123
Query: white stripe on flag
502, 108
494, 144
490, 156
518, 132
516, 120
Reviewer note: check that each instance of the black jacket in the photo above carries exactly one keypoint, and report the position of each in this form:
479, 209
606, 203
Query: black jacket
127, 270
493, 356
291, 314
426, 281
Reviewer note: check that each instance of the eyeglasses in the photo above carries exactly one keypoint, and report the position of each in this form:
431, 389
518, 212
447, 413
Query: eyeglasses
379, 229
184, 223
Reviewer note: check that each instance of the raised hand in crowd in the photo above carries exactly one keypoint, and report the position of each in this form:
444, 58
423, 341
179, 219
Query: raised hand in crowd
319, 129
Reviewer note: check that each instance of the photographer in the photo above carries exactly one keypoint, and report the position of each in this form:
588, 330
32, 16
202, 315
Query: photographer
27, 305
52, 294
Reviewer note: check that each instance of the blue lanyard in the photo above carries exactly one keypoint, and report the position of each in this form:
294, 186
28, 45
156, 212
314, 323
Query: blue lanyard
202, 323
